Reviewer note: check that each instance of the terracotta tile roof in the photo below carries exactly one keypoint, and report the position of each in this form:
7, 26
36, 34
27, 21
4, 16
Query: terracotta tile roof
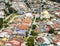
27, 20
22, 27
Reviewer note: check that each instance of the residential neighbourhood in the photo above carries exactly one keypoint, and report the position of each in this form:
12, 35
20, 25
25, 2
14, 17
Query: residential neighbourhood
29, 23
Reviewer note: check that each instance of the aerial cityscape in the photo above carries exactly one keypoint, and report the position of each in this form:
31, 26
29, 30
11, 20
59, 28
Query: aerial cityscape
29, 22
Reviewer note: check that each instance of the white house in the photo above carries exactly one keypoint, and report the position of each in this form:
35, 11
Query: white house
1, 14
2, 5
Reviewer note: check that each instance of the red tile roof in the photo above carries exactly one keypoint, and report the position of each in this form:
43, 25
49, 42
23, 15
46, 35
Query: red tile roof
47, 28
58, 11
55, 25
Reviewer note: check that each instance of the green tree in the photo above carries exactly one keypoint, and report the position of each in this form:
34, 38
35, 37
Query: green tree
55, 32
7, 4
51, 31
33, 26
50, 18
1, 23
44, 19
38, 19
10, 9
6, 12
27, 34
34, 33
45, 3
30, 41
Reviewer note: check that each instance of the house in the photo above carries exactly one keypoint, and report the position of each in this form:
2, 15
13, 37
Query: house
1, 43
37, 15
47, 28
2, 5
42, 41
22, 0
11, 25
8, 44
15, 0
6, 1
17, 20
42, 29
55, 25
18, 0
58, 13
22, 26
15, 42
29, 15
29, 0
45, 14
34, 1
35, 7
4, 39
21, 32
1, 14
58, 21
23, 44
8, 31
4, 34
43, 0
56, 40
27, 20
37, 30
15, 6
19, 5
20, 12
2, 0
